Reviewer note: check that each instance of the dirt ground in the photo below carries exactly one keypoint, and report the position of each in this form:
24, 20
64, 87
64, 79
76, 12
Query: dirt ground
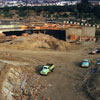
65, 83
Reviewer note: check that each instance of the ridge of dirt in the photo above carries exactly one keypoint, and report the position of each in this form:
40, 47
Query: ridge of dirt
37, 42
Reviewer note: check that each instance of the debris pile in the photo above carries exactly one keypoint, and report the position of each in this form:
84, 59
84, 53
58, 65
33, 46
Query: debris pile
19, 84
81, 38
89, 38
73, 37
11, 83
30, 88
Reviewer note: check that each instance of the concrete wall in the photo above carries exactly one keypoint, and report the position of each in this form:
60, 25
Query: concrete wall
6, 28
74, 31
83, 31
9, 26
88, 31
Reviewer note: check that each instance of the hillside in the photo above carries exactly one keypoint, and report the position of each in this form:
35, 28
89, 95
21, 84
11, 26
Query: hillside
23, 15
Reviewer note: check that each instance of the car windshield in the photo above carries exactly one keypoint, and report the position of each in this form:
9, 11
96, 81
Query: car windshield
45, 68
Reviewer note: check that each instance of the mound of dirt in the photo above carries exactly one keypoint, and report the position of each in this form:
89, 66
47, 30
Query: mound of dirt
37, 42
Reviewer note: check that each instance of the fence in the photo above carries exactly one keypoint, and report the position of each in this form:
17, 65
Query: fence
83, 24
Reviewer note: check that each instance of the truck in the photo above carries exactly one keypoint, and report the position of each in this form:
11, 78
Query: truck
47, 69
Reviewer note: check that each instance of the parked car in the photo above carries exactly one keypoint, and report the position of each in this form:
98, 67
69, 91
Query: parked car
98, 62
95, 51
85, 63
47, 68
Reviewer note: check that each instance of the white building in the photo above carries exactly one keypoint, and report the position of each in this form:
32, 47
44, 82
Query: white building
62, 3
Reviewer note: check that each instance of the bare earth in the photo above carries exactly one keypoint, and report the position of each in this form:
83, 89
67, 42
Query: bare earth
65, 83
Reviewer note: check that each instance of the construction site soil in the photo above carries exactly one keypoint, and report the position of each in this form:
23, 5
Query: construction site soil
36, 42
22, 57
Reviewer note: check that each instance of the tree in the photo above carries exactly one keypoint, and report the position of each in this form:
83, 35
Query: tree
64, 15
96, 11
6, 12
84, 2
84, 7
22, 12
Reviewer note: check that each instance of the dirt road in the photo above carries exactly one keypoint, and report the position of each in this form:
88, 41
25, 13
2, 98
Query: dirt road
66, 80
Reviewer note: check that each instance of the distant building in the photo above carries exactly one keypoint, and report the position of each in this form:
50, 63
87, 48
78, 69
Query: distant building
11, 3
62, 3
95, 2
19, 3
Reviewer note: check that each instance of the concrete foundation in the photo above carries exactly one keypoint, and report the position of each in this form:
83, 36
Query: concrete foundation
83, 31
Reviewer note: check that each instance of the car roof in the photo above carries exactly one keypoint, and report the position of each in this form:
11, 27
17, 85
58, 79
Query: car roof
98, 59
85, 60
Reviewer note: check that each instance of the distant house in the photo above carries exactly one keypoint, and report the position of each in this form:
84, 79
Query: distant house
62, 3
95, 2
